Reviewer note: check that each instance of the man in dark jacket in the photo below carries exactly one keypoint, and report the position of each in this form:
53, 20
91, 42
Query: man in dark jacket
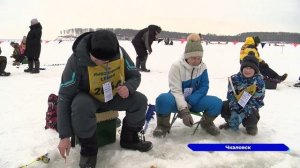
33, 46
99, 75
142, 44
3, 63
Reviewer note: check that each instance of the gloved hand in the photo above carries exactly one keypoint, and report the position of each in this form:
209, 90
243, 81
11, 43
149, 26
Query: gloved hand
235, 120
186, 117
189, 106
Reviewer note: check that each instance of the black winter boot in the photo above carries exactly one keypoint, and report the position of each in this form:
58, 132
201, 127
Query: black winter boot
207, 124
36, 68
131, 140
297, 84
3, 63
87, 162
88, 152
138, 63
30, 66
4, 73
283, 77
143, 65
163, 126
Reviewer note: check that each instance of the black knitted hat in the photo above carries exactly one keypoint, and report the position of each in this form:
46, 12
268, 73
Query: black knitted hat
250, 61
104, 45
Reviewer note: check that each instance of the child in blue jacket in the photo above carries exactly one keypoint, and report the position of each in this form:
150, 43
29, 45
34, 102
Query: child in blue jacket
246, 92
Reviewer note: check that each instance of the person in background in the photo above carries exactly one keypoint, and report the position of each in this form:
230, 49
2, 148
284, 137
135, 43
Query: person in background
250, 46
142, 42
297, 84
16, 54
188, 83
99, 75
3, 63
246, 92
23, 46
33, 46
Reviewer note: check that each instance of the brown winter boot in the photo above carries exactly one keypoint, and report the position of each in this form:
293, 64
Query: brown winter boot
207, 124
252, 130
224, 126
163, 126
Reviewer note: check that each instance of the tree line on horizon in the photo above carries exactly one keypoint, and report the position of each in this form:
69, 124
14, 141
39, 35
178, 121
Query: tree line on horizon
128, 34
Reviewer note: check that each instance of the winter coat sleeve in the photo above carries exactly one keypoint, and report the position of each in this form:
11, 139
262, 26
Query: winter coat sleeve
132, 75
67, 92
175, 85
201, 89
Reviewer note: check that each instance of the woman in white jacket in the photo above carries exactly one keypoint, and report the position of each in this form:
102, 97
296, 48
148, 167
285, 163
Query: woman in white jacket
188, 83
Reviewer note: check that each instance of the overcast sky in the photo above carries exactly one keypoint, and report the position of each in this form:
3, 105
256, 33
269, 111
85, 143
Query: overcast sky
222, 17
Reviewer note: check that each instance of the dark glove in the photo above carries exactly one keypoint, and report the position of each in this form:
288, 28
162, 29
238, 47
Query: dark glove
235, 120
186, 117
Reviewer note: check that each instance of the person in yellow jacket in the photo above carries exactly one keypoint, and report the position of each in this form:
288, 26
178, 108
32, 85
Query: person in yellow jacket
250, 48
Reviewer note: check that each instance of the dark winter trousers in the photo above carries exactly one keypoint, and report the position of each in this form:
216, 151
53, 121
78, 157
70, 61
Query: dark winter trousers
3, 63
141, 58
250, 121
265, 70
85, 106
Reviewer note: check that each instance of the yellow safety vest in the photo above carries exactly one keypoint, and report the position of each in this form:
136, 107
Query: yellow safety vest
112, 72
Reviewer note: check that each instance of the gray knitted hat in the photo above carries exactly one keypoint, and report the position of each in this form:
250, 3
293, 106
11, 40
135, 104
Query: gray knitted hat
193, 47
34, 21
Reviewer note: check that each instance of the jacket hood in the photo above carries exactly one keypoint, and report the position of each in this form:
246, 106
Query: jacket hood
249, 41
36, 26
190, 67
81, 49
